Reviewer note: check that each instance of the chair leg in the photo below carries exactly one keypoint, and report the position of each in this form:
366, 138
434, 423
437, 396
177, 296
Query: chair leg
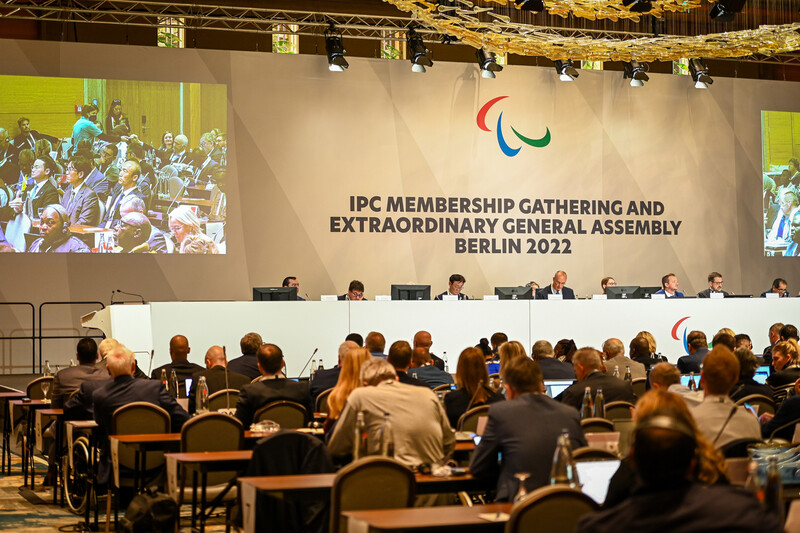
109, 496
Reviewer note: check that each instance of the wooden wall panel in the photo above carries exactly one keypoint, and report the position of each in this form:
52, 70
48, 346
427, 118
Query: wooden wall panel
48, 102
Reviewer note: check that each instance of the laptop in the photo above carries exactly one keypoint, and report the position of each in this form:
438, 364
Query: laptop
554, 387
686, 377
595, 476
762, 373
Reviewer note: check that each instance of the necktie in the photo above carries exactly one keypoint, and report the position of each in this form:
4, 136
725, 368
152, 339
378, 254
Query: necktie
781, 227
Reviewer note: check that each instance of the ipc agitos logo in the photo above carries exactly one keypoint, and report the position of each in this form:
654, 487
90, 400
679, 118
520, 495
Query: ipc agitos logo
675, 333
510, 152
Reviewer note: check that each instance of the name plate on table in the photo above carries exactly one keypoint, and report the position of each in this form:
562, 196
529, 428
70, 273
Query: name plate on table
599, 297
716, 296
383, 298
658, 296
449, 298
555, 296
328, 298
772, 295
491, 297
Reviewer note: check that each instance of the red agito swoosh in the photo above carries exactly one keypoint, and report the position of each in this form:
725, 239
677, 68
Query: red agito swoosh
485, 109
675, 328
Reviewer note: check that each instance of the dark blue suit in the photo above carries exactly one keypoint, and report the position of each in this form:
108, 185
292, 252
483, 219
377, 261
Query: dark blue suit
246, 365
256, 395
323, 380
691, 363
566, 293
555, 369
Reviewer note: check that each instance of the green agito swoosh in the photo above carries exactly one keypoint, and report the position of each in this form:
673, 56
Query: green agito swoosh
538, 143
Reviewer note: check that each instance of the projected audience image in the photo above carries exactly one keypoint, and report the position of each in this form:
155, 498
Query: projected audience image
780, 135
112, 166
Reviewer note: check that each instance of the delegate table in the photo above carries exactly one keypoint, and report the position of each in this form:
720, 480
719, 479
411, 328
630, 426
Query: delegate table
29, 409
301, 327
455, 518
8, 422
42, 418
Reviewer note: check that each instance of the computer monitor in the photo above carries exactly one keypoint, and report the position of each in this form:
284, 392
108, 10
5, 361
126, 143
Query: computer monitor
514, 293
622, 292
644, 293
554, 387
595, 476
274, 294
411, 292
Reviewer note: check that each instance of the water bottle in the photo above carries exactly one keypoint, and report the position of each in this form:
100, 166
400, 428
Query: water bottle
616, 371
47, 370
773, 490
587, 407
164, 378
101, 246
753, 483
110, 244
72, 362
202, 395
320, 366
444, 358
173, 382
563, 470
360, 438
692, 385
628, 376
313, 369
387, 436
599, 404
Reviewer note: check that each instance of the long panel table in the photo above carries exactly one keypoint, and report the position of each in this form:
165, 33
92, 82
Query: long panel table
301, 327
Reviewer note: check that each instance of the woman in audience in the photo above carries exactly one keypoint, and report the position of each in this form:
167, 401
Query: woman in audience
511, 350
607, 282
473, 390
786, 361
710, 465
485, 348
747, 369
183, 222
116, 122
164, 151
349, 380
564, 350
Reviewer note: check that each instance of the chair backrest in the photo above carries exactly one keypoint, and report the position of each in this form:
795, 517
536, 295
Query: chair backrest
443, 387
469, 420
619, 410
764, 403
289, 415
222, 399
597, 425
639, 387
551, 509
779, 393
370, 483
212, 432
586, 453
737, 448
321, 405
34, 388
134, 419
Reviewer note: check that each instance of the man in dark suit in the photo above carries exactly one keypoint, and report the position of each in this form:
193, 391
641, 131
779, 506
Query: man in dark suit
39, 196
455, 284
778, 287
328, 377
552, 368
96, 180
125, 189
669, 286
640, 352
399, 357
205, 165
698, 348
79, 200
156, 240
9, 158
271, 387
122, 391
69, 379
557, 287
355, 291
247, 363
184, 369
215, 374
422, 368
524, 447
589, 371
714, 286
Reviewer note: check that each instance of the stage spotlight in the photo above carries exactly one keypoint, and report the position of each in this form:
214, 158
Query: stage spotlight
566, 72
335, 50
530, 5
699, 72
638, 6
635, 71
725, 10
488, 63
417, 53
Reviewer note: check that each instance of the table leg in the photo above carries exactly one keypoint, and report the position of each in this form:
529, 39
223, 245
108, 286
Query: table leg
57, 449
136, 456
32, 445
6, 437
203, 502
194, 497
143, 477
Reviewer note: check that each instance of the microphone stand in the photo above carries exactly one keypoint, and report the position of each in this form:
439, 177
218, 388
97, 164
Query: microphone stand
474, 395
307, 362
227, 392
130, 294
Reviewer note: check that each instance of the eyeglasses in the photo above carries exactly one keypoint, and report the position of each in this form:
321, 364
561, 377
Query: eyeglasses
71, 168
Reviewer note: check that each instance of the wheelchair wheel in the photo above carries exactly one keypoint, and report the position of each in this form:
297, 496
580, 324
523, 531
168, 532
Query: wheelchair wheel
76, 477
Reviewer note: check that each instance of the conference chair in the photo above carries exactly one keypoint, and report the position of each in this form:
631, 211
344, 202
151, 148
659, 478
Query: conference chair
597, 425
551, 509
289, 415
34, 388
223, 399
619, 411
779, 394
587, 453
443, 387
134, 419
370, 483
737, 448
639, 387
469, 420
208, 432
763, 404
321, 405
20, 430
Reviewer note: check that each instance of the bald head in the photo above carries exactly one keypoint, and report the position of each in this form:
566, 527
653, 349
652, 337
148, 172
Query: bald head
179, 348
423, 340
613, 348
215, 356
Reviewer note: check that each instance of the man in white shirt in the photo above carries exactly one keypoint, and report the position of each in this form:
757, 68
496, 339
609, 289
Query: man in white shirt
781, 223
126, 188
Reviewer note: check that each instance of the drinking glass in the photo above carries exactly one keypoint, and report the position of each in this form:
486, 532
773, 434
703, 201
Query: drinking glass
45, 388
522, 492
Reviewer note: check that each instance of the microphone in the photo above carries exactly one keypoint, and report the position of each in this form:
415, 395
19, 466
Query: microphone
474, 395
150, 367
131, 294
309, 360
308, 297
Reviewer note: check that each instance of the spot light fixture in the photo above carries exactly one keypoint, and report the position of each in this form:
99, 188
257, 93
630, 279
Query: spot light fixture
566, 71
530, 5
635, 71
335, 50
417, 53
638, 6
726, 10
488, 63
699, 72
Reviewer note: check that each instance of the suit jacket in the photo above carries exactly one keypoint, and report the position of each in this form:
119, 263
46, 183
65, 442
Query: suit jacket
184, 370
746, 387
637, 369
245, 364
691, 363
206, 170
526, 447
614, 390
69, 379
116, 198
324, 379
566, 293
81, 406
554, 369
157, 241
461, 296
98, 183
215, 380
256, 395
784, 295
26, 142
403, 377
46, 195
678, 294
707, 293
432, 375
122, 391
438, 362
84, 208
